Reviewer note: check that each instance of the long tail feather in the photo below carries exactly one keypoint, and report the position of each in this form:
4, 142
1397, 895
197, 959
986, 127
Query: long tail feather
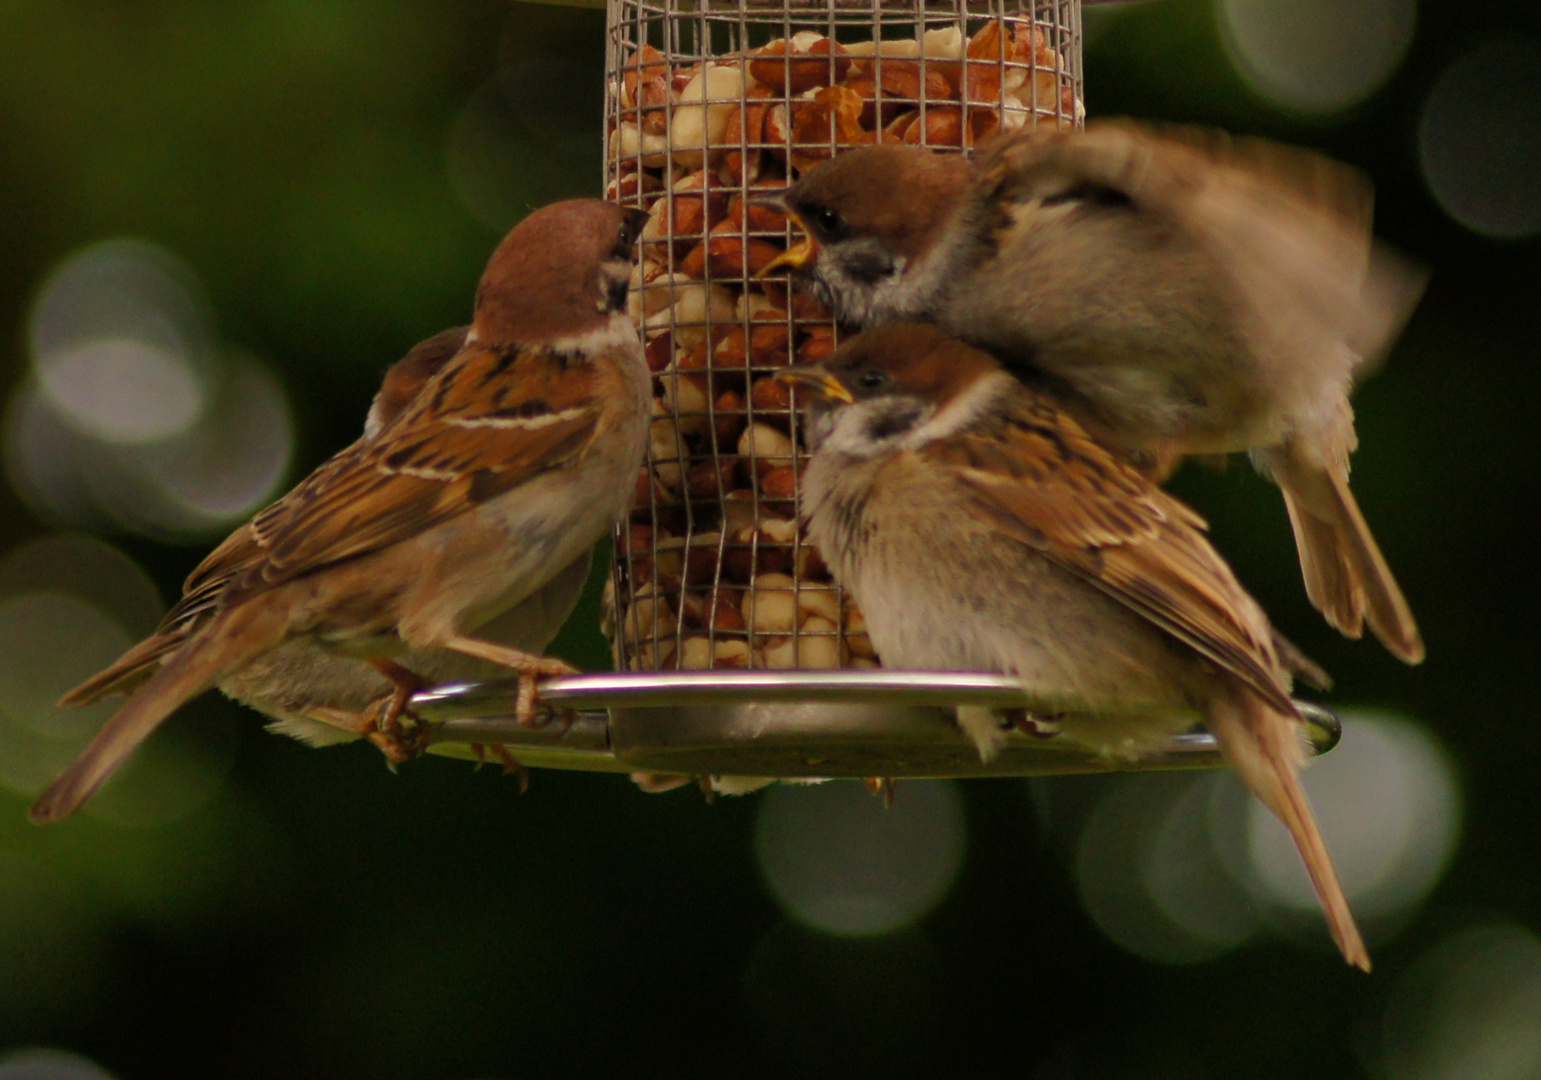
1386, 609
1346, 575
131, 671
225, 644
1264, 748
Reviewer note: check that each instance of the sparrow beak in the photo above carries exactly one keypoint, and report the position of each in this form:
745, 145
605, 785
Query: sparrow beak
797, 256
817, 379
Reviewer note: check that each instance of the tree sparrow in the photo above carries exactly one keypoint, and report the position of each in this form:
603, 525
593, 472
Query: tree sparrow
322, 697
980, 527
1182, 291
515, 456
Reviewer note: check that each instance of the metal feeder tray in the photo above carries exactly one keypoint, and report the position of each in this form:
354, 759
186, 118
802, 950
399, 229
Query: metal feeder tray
787, 724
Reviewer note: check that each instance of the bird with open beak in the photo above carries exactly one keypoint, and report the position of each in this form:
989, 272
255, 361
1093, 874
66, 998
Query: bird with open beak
483, 478
982, 528
1183, 292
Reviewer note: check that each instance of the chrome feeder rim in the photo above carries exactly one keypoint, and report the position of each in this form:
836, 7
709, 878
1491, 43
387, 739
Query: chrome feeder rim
788, 725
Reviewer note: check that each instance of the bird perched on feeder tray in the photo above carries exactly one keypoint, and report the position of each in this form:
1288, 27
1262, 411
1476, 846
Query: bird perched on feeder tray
980, 527
463, 501
1183, 292
324, 698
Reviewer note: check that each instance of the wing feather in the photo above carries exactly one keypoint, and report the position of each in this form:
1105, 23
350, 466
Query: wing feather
490, 420
1036, 475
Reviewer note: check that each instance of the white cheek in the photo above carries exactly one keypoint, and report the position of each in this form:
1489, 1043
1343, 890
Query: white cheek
964, 410
845, 432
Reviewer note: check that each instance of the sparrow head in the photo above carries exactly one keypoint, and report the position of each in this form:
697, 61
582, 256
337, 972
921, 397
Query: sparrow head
900, 385
872, 217
560, 273
409, 374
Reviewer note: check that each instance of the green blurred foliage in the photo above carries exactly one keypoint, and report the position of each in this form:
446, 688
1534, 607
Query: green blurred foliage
321, 917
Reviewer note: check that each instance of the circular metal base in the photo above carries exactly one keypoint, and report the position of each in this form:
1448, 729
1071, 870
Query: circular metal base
788, 725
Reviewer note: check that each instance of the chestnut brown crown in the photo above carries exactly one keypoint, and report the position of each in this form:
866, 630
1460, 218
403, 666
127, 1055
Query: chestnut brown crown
901, 195
911, 358
561, 272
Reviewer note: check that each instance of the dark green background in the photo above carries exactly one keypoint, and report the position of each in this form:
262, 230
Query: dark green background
329, 919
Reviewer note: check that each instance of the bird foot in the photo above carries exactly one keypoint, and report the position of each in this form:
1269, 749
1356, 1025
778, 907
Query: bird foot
511, 764
527, 666
884, 786
398, 732
390, 723
656, 783
1033, 724
527, 707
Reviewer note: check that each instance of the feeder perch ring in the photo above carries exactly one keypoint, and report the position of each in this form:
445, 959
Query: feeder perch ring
788, 725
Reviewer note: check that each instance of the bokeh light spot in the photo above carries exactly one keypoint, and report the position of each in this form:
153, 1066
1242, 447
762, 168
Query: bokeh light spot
43, 1064
50, 641
69, 606
1317, 56
839, 862
217, 472
1390, 809
175, 774
1469, 1009
1479, 139
86, 567
232, 463
1149, 877
134, 417
120, 340
1186, 877
124, 391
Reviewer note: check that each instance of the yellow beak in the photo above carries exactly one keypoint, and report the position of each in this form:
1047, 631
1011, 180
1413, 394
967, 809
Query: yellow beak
797, 256
817, 379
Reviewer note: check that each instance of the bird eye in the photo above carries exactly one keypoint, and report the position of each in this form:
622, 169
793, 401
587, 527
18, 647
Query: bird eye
829, 222
630, 231
871, 379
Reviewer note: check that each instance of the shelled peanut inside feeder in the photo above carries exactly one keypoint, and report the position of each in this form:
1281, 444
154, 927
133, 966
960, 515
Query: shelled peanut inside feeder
711, 110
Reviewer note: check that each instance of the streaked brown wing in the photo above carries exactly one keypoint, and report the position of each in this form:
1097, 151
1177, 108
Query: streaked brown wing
1036, 475
491, 420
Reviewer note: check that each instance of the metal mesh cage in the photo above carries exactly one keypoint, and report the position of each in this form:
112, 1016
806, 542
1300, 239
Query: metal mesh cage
710, 106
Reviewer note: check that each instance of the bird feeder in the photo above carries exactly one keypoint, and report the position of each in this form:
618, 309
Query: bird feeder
712, 107
736, 652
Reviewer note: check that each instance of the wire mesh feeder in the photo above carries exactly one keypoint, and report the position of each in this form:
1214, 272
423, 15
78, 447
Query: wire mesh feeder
712, 105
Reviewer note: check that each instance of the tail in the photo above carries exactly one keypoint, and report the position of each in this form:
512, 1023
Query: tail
131, 671
1346, 575
226, 643
1264, 748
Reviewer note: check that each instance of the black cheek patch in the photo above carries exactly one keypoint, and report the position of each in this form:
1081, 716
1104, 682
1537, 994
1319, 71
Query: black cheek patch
615, 295
892, 422
868, 266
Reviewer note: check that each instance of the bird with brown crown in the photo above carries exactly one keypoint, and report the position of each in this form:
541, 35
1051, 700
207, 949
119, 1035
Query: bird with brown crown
982, 528
1183, 292
484, 476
